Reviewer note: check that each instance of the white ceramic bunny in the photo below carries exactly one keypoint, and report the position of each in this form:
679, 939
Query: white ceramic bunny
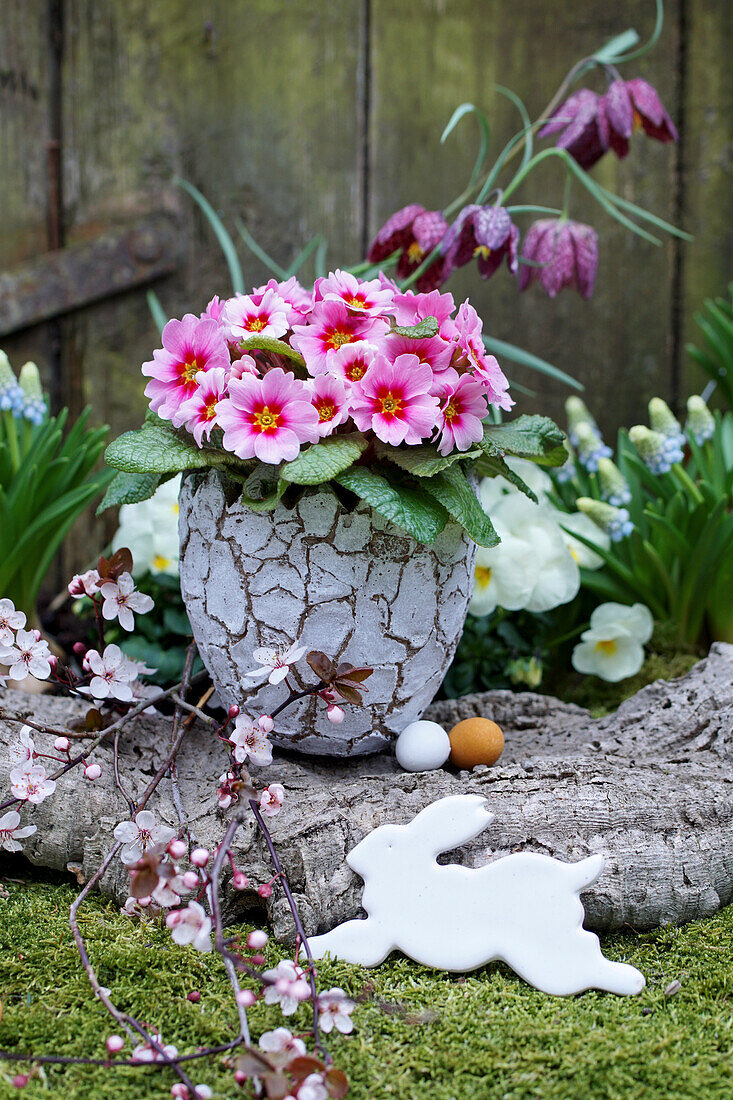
524, 909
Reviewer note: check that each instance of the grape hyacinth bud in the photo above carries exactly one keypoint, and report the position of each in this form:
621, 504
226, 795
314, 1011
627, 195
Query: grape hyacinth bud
12, 398
658, 452
700, 423
590, 446
34, 407
567, 471
616, 522
613, 485
663, 420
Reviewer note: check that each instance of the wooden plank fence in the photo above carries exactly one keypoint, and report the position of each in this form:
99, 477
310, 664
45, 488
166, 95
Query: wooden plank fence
307, 116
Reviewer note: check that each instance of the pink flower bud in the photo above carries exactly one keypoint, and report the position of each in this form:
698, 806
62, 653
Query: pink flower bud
190, 880
178, 848
200, 857
37, 634
61, 744
240, 880
257, 939
144, 902
79, 648
21, 1080
334, 713
266, 723
53, 661
115, 1043
194, 997
174, 917
180, 1091
202, 1092
240, 1078
257, 960
265, 891
92, 771
246, 998
233, 711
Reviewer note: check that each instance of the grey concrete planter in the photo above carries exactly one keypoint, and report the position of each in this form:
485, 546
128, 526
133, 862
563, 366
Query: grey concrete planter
350, 584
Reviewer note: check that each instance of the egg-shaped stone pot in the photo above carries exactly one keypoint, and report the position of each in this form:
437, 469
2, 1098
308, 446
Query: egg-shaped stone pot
348, 583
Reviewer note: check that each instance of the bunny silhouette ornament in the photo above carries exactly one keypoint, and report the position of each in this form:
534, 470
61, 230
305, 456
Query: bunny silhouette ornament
524, 908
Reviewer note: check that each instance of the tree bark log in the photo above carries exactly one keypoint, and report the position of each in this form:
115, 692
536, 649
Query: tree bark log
650, 787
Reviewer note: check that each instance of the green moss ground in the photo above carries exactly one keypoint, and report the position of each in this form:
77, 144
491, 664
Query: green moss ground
418, 1034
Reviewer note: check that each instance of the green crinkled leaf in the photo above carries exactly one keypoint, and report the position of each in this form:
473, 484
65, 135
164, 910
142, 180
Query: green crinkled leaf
263, 488
412, 509
323, 461
426, 328
423, 460
452, 489
495, 466
157, 449
269, 343
534, 437
129, 489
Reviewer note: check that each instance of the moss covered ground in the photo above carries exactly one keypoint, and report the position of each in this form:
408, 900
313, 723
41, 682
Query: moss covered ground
418, 1034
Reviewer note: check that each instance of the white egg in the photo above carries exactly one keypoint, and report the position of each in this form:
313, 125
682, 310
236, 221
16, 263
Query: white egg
422, 747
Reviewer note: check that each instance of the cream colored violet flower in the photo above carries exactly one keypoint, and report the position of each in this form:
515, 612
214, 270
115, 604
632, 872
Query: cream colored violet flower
613, 647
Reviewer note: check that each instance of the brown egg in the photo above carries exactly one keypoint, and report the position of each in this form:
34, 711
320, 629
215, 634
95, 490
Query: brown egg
475, 741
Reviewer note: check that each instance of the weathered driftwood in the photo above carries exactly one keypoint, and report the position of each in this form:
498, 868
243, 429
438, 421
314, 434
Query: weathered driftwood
650, 787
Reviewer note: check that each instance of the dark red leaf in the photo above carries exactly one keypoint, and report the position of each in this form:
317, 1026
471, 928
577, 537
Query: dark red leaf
321, 665
337, 1083
303, 1065
347, 692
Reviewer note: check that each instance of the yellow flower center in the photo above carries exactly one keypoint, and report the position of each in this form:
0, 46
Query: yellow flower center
160, 563
450, 412
390, 404
574, 554
256, 324
355, 303
266, 420
326, 412
339, 337
415, 253
482, 251
607, 647
483, 576
210, 409
190, 370
638, 124
355, 371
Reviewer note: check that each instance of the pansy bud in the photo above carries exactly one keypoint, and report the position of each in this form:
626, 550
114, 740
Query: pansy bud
700, 423
658, 452
612, 483
616, 522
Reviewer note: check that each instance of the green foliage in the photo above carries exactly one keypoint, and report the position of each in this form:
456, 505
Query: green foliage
325, 460
418, 1033
497, 650
47, 479
451, 489
409, 507
715, 322
128, 488
157, 448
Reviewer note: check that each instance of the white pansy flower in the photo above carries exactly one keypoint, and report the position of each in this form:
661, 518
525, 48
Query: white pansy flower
577, 523
613, 647
492, 489
150, 531
531, 569
11, 832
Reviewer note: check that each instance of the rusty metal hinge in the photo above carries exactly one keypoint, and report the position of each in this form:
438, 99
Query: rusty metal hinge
55, 283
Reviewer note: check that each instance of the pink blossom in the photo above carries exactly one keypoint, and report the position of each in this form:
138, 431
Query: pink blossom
189, 346
267, 417
470, 354
26, 752
274, 665
199, 411
121, 598
84, 584
214, 310
353, 361
461, 411
245, 365
30, 656
334, 1009
328, 397
30, 784
251, 742
10, 621
271, 799
411, 308
313, 1087
330, 327
370, 298
281, 1041
394, 400
112, 674
247, 317
11, 833
296, 298
289, 988
432, 350
140, 834
191, 925
146, 1052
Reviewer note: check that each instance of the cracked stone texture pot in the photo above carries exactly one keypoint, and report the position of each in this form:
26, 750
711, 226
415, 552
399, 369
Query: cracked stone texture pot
348, 583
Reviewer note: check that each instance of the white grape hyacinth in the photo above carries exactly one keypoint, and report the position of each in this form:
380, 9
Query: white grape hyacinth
613, 647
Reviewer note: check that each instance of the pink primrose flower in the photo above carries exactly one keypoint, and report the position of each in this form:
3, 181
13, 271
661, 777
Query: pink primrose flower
411, 308
267, 417
247, 317
329, 399
471, 355
370, 298
297, 299
394, 400
245, 365
353, 361
461, 411
189, 346
214, 310
432, 350
330, 327
199, 411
